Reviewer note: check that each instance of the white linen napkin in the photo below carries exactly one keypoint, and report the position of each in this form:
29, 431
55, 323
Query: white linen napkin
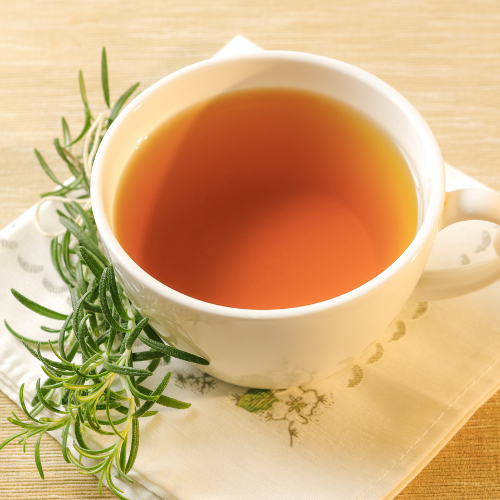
361, 434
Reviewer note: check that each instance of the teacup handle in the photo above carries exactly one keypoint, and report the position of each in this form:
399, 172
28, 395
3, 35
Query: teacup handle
461, 205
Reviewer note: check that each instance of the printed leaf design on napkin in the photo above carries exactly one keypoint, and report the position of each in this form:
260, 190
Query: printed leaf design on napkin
485, 242
295, 406
478, 248
257, 400
420, 310
400, 331
52, 288
482, 246
357, 376
196, 380
28, 266
376, 355
396, 331
10, 244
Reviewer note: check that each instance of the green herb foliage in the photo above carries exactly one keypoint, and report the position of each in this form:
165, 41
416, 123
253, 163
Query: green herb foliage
102, 391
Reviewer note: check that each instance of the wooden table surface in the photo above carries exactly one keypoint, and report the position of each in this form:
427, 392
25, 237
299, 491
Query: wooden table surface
443, 55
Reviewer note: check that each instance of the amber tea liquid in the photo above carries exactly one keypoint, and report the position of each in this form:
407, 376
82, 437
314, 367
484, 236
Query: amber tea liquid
266, 199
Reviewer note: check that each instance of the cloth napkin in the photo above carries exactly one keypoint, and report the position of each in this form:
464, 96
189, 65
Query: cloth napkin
361, 434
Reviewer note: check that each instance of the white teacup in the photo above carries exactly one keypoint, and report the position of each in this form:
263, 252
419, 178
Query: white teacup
289, 347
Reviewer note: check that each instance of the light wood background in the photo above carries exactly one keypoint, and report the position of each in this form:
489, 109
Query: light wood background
443, 55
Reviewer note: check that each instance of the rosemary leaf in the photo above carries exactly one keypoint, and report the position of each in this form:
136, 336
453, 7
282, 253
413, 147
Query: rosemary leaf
23, 405
83, 91
121, 101
45, 402
66, 133
103, 288
126, 370
134, 447
172, 403
65, 441
60, 151
141, 394
62, 337
37, 456
47, 169
104, 77
44, 311
86, 126
49, 330
21, 337
172, 351
132, 336
82, 236
115, 296
155, 363
87, 220
92, 262
147, 356
157, 392
79, 436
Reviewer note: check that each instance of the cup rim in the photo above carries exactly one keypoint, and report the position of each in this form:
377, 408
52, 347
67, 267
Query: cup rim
429, 222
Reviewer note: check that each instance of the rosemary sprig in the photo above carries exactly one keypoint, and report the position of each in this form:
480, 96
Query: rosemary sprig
102, 391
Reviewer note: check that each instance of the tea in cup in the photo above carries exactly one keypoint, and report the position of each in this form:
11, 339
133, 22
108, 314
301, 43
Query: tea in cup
266, 199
